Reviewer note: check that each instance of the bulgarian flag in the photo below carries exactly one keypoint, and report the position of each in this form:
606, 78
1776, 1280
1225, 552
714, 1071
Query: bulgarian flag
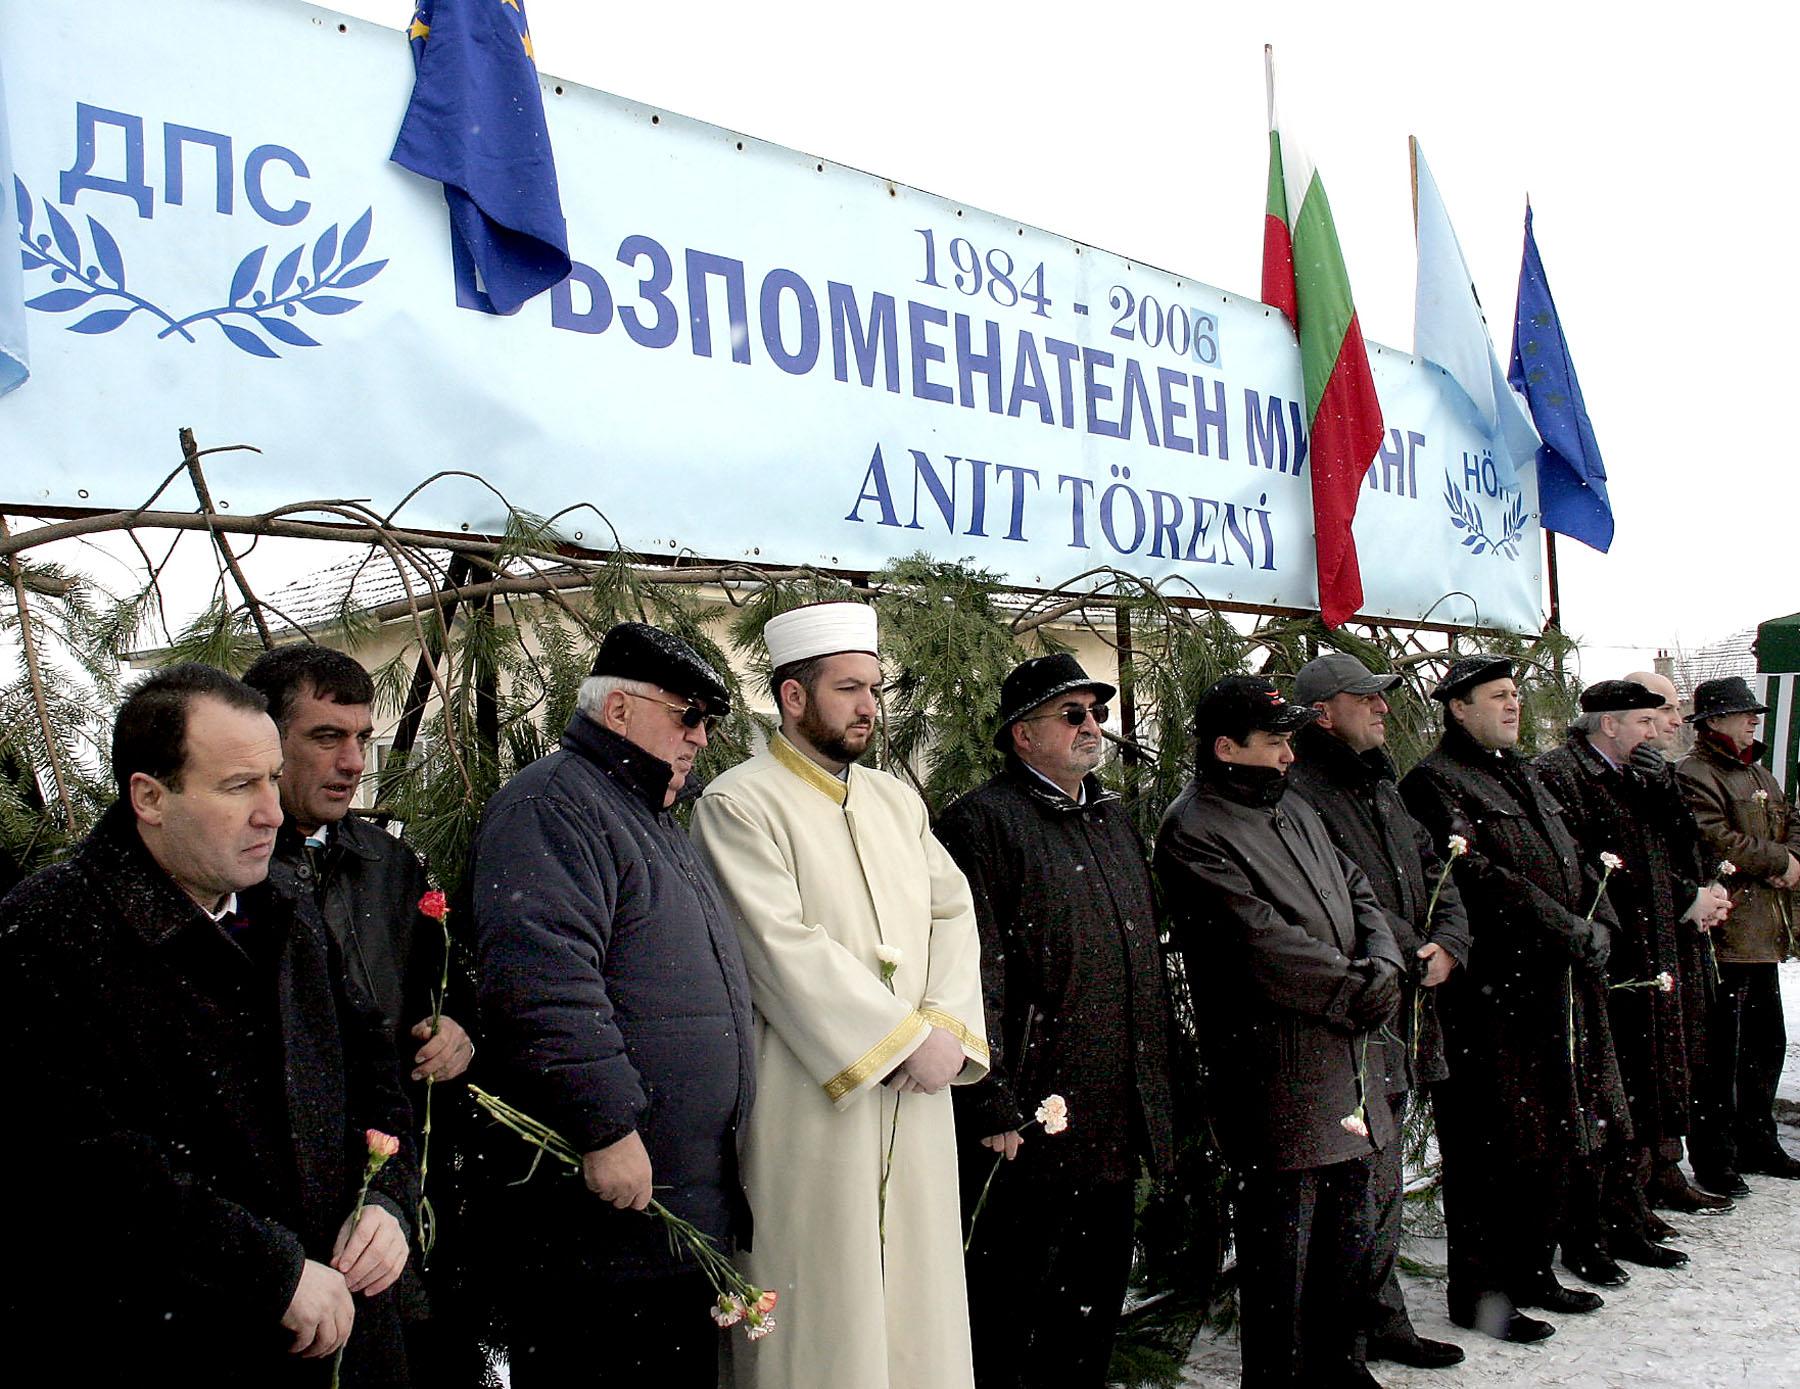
1303, 276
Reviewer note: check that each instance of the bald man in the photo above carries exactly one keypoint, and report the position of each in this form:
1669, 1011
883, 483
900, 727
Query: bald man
1669, 1189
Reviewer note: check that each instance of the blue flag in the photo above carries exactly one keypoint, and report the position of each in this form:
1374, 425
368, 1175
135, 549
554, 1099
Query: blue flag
1571, 478
476, 125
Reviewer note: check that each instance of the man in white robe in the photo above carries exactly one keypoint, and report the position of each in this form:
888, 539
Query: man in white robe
833, 869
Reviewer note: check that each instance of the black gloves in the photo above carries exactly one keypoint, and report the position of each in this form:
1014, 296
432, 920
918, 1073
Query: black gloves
1590, 943
1377, 1000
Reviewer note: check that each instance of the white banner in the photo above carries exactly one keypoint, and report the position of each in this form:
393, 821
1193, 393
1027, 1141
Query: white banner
759, 355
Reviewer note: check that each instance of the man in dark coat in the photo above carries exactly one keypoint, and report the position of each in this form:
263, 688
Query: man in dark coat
1533, 1082
1072, 976
1295, 972
1345, 773
1607, 807
366, 886
184, 1054
1692, 865
616, 1005
1747, 822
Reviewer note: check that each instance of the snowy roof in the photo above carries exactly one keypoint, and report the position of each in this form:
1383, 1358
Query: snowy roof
1733, 655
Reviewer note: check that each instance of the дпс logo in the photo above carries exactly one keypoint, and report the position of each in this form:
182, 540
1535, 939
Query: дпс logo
259, 311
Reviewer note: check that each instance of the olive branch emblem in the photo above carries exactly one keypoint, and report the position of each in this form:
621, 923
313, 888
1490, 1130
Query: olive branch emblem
253, 319
1465, 515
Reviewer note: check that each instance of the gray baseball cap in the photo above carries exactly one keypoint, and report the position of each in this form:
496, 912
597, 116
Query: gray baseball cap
1338, 672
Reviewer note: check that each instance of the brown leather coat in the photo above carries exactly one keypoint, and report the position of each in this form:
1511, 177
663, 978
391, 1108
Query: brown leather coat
1755, 833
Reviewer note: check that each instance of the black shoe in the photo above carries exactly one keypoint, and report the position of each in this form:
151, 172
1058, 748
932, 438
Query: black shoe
1775, 1164
1552, 1296
1725, 1182
1416, 1351
1591, 1266
1659, 1229
1495, 1315
1635, 1249
1687, 1199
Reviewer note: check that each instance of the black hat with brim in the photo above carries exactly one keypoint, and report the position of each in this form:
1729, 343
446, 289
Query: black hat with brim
1467, 672
1618, 697
1729, 694
638, 651
1239, 705
1038, 681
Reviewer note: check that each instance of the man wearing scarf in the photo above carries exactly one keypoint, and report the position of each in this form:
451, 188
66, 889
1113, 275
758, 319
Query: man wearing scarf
1295, 972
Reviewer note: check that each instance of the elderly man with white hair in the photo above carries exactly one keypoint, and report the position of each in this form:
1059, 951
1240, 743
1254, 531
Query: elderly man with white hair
860, 936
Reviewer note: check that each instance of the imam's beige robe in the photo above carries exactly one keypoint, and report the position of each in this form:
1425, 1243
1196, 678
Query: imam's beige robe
821, 872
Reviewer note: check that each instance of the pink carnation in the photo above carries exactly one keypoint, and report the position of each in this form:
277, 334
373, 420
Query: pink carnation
1053, 1114
757, 1330
728, 1310
381, 1145
1353, 1123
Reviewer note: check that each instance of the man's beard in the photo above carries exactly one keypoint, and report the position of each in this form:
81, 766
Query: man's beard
833, 742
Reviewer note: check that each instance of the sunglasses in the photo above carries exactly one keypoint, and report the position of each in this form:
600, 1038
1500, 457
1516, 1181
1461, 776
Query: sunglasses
690, 715
1073, 715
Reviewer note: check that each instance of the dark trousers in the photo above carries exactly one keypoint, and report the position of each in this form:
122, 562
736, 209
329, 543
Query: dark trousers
1734, 1111
652, 1332
1047, 1270
1501, 1210
1387, 1316
1303, 1272
1606, 1197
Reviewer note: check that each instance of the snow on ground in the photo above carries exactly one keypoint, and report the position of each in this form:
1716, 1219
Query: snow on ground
1730, 1318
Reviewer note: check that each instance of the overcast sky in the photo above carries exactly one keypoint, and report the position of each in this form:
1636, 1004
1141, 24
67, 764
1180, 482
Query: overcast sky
1652, 142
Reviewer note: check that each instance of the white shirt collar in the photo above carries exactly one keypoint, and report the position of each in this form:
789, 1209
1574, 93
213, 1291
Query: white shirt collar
1079, 799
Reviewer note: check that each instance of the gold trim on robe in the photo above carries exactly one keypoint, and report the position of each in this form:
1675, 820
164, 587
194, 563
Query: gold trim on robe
808, 770
875, 1060
975, 1046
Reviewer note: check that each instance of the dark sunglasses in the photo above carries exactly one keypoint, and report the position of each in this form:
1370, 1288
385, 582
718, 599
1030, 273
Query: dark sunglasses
1073, 716
691, 715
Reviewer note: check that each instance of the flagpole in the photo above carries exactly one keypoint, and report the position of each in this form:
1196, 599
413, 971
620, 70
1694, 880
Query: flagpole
1269, 79
1555, 598
1412, 163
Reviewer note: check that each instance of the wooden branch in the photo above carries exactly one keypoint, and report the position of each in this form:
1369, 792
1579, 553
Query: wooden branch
28, 641
190, 452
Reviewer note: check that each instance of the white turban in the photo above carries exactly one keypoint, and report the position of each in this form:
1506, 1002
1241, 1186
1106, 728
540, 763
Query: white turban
819, 629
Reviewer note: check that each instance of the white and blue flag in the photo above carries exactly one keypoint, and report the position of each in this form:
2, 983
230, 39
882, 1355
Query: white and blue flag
1450, 331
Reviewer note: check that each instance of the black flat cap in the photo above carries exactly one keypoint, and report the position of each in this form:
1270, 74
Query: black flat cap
638, 651
1042, 678
1336, 673
1238, 705
1467, 672
1729, 694
1617, 696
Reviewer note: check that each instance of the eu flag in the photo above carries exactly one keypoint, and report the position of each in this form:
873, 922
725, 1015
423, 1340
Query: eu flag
1571, 478
476, 125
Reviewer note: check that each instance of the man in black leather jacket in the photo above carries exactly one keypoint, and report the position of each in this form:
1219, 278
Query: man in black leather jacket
1295, 972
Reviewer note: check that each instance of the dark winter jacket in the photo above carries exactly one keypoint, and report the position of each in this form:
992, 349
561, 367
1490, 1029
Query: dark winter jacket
370, 903
613, 997
1280, 934
189, 1106
1755, 834
1069, 949
1612, 810
1691, 865
1537, 963
1358, 798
